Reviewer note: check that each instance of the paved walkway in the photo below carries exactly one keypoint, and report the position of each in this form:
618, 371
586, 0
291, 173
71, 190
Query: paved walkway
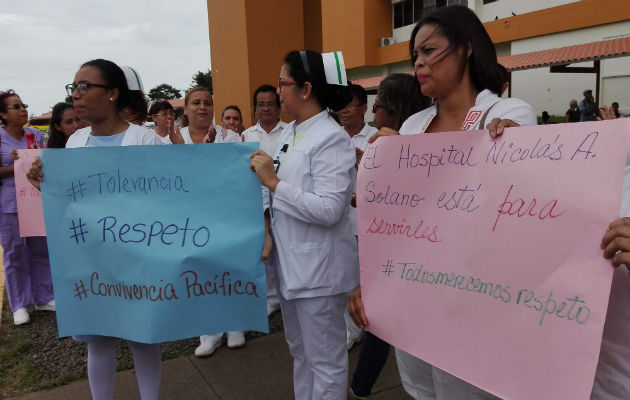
261, 370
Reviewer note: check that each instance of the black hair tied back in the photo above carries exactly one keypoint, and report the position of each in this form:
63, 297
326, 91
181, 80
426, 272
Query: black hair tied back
333, 97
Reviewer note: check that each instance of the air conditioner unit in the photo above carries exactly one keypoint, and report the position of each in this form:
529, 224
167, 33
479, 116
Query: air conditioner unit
386, 41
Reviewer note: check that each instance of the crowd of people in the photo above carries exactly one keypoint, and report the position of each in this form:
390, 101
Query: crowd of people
307, 170
586, 110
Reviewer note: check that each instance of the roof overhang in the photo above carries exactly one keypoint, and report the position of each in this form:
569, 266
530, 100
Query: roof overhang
601, 50
567, 55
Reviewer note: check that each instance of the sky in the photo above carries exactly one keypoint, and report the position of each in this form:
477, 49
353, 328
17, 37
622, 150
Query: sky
43, 43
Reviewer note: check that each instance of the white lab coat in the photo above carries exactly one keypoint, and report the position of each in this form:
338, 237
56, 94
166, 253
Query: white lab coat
231, 137
315, 255
268, 141
612, 378
315, 250
515, 109
135, 135
360, 141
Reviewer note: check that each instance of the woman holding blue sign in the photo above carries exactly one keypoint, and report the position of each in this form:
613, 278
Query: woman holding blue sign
26, 264
100, 92
315, 255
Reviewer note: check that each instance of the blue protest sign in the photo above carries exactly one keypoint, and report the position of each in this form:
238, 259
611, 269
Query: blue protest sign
155, 243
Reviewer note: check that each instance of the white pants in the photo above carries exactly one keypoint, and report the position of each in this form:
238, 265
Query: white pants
316, 333
612, 378
423, 381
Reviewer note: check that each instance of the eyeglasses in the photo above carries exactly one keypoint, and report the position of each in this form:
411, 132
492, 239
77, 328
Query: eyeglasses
282, 83
263, 105
376, 107
17, 107
82, 87
167, 114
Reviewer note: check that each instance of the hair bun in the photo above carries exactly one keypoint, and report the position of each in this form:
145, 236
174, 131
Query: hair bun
338, 97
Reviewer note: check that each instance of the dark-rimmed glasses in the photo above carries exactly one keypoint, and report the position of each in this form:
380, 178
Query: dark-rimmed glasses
376, 107
82, 87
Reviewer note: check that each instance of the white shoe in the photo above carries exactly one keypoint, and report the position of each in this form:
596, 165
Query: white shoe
235, 340
50, 306
351, 341
21, 317
209, 343
272, 308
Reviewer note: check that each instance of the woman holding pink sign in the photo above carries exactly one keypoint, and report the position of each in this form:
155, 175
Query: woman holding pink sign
456, 64
26, 264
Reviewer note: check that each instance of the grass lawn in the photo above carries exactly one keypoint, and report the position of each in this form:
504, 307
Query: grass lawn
17, 373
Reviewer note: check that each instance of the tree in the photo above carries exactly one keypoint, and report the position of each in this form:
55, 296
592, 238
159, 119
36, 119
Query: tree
203, 79
164, 92
69, 99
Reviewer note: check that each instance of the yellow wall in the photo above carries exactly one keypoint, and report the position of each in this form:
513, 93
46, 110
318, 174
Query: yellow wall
344, 30
354, 27
313, 25
249, 38
229, 55
248, 41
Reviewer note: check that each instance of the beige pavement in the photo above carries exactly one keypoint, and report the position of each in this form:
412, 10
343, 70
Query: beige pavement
261, 370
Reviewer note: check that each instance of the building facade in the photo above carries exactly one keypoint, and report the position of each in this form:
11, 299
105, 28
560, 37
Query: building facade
249, 38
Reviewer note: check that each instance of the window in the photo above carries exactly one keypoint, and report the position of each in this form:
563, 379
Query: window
409, 12
417, 10
398, 15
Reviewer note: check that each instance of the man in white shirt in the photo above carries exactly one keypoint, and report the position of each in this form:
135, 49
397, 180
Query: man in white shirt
268, 128
352, 117
267, 131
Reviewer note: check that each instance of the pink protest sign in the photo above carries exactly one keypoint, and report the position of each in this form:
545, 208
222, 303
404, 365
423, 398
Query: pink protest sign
29, 199
482, 257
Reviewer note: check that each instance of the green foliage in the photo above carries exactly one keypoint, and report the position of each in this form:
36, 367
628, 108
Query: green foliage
164, 92
203, 79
